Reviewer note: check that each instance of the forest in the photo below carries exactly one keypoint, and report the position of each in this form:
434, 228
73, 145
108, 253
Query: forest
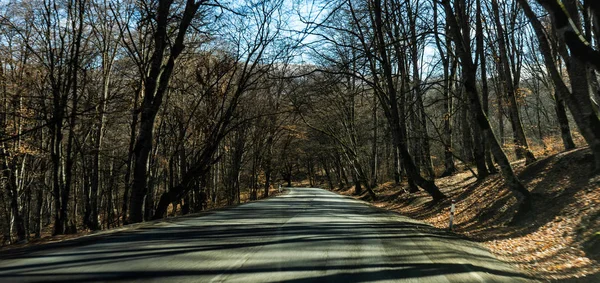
118, 112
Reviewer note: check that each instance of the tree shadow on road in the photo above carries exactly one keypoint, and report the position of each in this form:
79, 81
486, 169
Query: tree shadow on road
293, 224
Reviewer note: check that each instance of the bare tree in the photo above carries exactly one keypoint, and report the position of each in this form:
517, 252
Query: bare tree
155, 86
463, 51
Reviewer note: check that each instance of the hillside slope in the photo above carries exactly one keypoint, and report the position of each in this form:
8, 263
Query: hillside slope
558, 240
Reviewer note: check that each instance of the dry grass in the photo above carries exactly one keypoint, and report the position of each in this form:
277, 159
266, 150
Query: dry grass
548, 243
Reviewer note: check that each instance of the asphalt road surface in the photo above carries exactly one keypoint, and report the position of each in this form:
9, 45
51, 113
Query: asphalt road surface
307, 235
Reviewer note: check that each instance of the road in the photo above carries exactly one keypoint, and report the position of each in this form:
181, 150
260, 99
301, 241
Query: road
307, 235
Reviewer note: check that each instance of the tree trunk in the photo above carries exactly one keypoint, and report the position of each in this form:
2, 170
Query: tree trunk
155, 86
39, 213
343, 174
267, 181
340, 171
397, 169
484, 85
392, 113
9, 165
478, 140
578, 98
449, 67
99, 136
373, 148
141, 159
56, 156
357, 185
327, 173
13, 193
130, 153
521, 146
449, 165
463, 50
467, 138
268, 165
563, 121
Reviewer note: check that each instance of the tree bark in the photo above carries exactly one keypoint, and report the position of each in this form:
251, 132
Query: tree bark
449, 66
521, 145
156, 84
373, 148
484, 84
578, 98
12, 187
390, 106
563, 121
463, 51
